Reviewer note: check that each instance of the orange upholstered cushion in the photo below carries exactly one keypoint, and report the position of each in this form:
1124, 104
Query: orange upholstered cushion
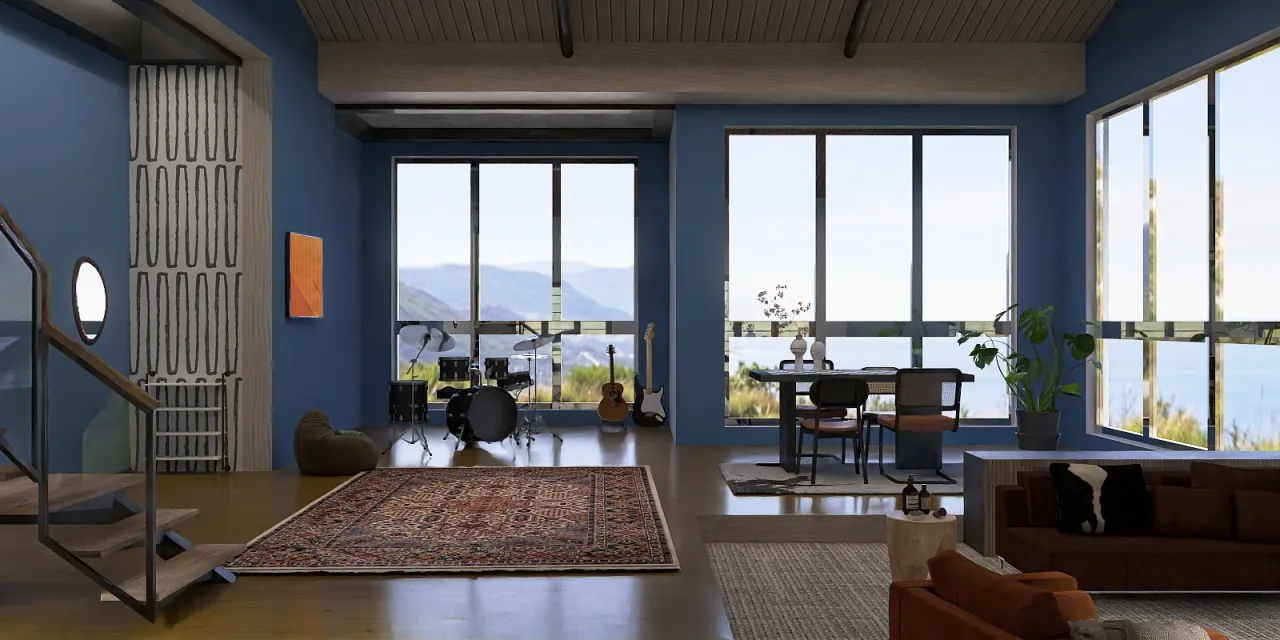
916, 423
1018, 609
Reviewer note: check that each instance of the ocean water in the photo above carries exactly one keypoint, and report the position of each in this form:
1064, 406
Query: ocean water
1250, 384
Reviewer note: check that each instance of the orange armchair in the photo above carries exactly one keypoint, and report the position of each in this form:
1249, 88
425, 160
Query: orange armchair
918, 612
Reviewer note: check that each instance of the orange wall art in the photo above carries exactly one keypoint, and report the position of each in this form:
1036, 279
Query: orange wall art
306, 276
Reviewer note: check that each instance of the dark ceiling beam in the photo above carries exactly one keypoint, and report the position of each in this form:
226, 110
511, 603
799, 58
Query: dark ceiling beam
498, 135
206, 49
117, 40
355, 126
854, 37
408, 107
563, 31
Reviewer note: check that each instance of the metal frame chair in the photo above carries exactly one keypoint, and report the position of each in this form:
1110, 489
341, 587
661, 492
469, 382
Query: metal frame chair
802, 389
842, 395
921, 398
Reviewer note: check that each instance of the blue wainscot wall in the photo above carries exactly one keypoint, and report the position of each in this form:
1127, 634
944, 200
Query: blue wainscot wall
64, 176
1141, 43
316, 183
378, 264
698, 232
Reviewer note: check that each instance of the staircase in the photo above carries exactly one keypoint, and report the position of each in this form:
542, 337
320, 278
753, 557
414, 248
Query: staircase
83, 517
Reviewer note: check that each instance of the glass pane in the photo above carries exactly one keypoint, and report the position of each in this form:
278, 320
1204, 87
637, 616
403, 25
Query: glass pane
428, 365
869, 203
966, 227
750, 398
1182, 392
503, 346
985, 397
515, 241
433, 241
1249, 148
1251, 406
1180, 174
1125, 224
597, 276
585, 366
772, 197
856, 353
1121, 392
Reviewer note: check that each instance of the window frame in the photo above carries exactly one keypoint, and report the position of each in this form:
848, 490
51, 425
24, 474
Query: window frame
915, 328
474, 327
1149, 330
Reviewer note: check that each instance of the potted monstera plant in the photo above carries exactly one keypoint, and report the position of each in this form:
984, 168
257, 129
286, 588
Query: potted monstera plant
1034, 372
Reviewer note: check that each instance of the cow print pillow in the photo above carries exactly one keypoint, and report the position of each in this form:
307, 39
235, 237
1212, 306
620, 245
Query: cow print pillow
1104, 500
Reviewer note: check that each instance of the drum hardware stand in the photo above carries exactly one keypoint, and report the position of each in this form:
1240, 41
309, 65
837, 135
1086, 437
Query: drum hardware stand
533, 417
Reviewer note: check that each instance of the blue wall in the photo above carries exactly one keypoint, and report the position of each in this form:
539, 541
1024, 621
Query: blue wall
378, 265
64, 176
698, 233
317, 192
1140, 43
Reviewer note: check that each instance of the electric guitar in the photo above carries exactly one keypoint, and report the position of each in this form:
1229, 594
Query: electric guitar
648, 410
612, 407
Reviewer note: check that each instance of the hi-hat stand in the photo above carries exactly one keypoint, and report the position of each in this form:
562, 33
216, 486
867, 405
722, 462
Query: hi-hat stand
532, 423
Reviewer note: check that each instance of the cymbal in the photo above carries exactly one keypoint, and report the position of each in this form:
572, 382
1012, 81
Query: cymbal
530, 356
536, 342
432, 340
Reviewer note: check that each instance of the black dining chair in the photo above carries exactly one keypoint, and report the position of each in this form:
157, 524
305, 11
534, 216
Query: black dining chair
802, 389
843, 395
922, 399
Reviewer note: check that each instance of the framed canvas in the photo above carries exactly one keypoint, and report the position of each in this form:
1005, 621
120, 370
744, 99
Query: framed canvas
305, 255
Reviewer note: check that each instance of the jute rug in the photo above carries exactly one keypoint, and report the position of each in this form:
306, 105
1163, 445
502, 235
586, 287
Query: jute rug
840, 591
472, 519
746, 478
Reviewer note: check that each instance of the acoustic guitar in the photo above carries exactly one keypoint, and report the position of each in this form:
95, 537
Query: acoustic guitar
612, 407
648, 411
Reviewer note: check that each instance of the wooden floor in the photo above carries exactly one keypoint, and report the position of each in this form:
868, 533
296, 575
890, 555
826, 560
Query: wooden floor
42, 597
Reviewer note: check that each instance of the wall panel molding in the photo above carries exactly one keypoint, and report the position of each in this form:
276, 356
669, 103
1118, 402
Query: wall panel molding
254, 437
185, 255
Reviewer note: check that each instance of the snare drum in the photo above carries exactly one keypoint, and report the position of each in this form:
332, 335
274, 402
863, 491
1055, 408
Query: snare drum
407, 401
497, 369
455, 369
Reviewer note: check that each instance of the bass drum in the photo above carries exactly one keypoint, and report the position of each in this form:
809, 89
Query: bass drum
481, 414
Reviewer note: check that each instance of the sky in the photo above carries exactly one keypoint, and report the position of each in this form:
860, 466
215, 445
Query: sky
433, 210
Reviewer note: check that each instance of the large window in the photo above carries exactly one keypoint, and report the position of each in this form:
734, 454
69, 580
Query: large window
492, 251
1186, 219
883, 244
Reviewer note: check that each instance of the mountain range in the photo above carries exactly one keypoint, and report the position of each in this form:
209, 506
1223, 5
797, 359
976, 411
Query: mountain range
522, 292
443, 293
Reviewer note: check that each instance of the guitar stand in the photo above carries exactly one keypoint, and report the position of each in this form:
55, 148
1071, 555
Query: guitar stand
601, 422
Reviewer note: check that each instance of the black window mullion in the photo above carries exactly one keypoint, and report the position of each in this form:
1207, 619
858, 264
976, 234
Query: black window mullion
917, 250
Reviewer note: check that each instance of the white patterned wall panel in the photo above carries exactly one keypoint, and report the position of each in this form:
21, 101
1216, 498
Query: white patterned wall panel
185, 266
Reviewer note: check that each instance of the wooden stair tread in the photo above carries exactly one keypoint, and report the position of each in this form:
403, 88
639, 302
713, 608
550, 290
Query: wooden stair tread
10, 472
97, 540
20, 496
184, 569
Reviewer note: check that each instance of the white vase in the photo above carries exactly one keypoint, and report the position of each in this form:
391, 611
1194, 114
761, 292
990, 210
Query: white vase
798, 347
818, 352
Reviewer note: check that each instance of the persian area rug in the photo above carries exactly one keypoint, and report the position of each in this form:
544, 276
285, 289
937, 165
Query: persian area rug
747, 479
473, 519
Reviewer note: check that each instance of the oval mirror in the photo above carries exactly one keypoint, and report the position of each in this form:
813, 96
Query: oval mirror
89, 299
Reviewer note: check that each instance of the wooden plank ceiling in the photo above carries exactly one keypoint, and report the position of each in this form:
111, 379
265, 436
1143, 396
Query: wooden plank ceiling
751, 21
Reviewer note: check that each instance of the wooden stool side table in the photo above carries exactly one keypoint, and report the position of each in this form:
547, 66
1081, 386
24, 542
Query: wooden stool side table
913, 542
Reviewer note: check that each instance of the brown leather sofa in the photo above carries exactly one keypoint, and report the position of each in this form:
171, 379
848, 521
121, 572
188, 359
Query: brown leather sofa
1027, 537
971, 603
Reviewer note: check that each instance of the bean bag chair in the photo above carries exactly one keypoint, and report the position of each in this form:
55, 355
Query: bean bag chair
322, 451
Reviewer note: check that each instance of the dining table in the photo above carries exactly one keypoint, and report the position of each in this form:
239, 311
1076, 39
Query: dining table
911, 450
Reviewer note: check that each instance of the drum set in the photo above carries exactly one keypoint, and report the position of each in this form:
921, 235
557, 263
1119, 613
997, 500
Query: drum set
489, 409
